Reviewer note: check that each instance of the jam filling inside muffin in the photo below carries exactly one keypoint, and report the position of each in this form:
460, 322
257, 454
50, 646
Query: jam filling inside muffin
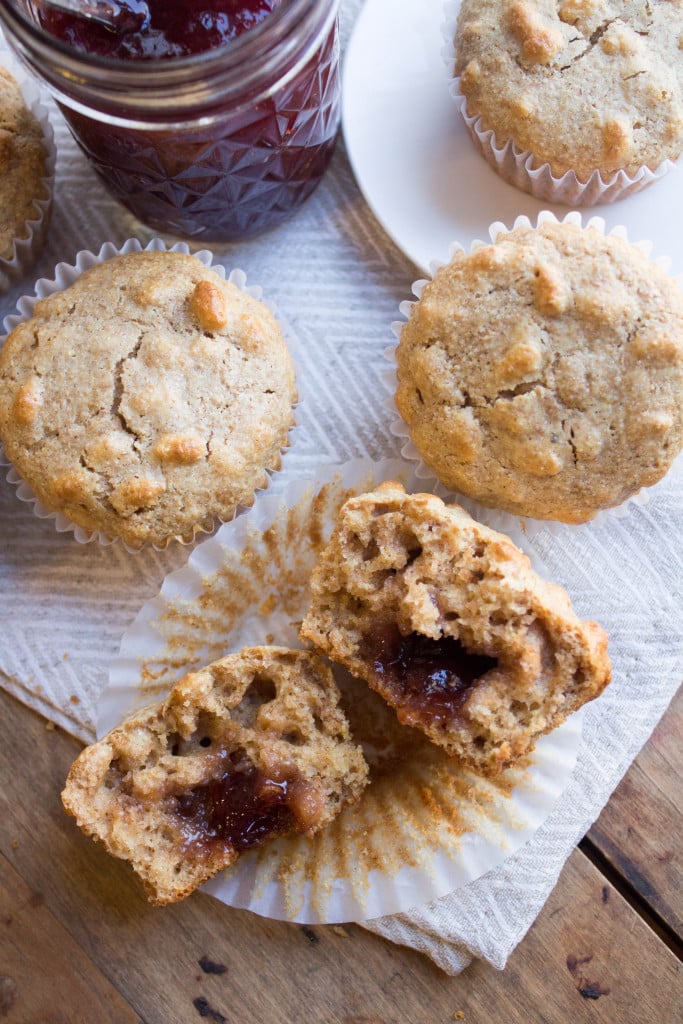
249, 748
421, 676
242, 806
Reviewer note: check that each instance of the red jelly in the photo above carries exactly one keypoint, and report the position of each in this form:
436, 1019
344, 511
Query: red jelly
240, 808
426, 678
210, 122
159, 29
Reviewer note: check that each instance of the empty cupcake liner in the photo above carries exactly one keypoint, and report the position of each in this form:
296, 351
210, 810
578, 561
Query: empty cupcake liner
521, 168
66, 274
27, 248
498, 519
423, 827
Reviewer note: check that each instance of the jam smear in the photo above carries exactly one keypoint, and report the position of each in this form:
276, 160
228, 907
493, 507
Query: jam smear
159, 29
427, 678
235, 169
241, 808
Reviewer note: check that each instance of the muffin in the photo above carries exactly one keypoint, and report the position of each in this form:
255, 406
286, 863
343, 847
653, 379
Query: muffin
26, 169
251, 747
588, 92
147, 399
446, 619
543, 374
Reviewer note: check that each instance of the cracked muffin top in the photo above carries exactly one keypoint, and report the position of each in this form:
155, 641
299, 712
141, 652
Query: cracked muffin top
544, 374
22, 164
584, 85
146, 399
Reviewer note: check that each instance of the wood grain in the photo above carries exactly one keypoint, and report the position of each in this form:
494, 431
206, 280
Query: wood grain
38, 955
640, 832
166, 963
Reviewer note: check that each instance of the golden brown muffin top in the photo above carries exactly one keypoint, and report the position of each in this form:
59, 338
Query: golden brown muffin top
584, 85
22, 164
543, 374
146, 399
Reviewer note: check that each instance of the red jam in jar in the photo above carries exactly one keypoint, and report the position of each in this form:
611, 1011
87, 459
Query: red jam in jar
157, 30
211, 120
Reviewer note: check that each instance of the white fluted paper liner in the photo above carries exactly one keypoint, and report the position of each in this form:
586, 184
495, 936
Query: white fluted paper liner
65, 275
497, 519
27, 248
423, 827
521, 168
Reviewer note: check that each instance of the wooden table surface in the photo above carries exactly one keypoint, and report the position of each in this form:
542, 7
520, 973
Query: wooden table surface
80, 944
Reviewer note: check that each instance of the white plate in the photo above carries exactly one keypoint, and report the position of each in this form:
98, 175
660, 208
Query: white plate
416, 164
423, 827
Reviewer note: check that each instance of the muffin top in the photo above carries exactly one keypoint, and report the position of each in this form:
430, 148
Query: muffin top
22, 164
147, 398
584, 85
544, 374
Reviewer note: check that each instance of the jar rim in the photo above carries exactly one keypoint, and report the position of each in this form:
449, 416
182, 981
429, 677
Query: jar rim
247, 65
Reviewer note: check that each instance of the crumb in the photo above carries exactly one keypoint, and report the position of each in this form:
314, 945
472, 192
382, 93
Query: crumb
15, 844
74, 699
65, 656
338, 930
311, 936
49, 727
458, 1015
211, 967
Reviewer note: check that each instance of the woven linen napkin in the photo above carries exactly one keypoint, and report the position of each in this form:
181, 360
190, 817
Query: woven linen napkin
337, 280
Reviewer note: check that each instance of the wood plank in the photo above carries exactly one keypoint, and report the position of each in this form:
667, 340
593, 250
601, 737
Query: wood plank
586, 938
588, 958
38, 959
640, 831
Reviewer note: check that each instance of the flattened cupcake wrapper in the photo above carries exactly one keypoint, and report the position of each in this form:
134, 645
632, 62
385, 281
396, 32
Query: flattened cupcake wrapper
498, 519
27, 249
65, 275
521, 168
423, 827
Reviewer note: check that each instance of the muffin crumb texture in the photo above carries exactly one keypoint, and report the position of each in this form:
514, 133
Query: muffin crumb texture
446, 619
543, 374
252, 747
22, 165
584, 85
146, 399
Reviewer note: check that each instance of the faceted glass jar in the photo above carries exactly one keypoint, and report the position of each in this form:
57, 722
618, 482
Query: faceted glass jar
217, 145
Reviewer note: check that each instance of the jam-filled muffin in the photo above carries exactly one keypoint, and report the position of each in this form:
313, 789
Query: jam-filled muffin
252, 747
447, 620
147, 399
543, 374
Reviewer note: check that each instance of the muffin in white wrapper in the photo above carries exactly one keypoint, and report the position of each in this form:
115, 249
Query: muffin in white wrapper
26, 246
523, 168
495, 514
423, 826
65, 276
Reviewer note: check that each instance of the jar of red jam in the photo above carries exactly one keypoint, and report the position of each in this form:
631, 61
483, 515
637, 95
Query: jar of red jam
210, 120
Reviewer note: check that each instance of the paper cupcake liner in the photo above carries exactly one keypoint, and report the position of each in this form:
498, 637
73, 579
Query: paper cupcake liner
66, 274
521, 168
28, 248
423, 827
498, 519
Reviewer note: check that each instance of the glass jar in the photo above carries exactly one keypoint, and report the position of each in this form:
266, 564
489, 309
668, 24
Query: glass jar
216, 145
